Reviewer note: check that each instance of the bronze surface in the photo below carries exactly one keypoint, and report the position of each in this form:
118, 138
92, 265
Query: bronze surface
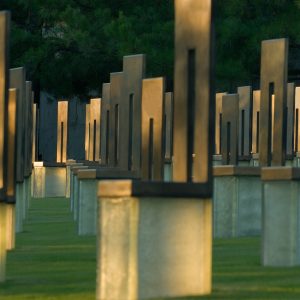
130, 112
34, 131
168, 126
245, 120
28, 130
152, 128
116, 173
272, 121
194, 92
116, 83
297, 121
274, 59
230, 129
70, 162
280, 173
218, 119
153, 189
11, 147
4, 63
52, 164
290, 119
62, 131
17, 80
95, 117
87, 132
104, 129
231, 170
255, 121
31, 133
76, 169
116, 188
86, 174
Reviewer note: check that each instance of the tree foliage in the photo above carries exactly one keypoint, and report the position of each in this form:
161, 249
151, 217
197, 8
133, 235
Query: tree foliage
69, 47
241, 26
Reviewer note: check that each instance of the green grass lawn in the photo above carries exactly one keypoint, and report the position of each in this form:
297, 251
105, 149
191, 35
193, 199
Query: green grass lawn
51, 262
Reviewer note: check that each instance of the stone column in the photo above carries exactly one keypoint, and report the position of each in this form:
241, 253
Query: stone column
10, 226
55, 180
168, 136
281, 215
152, 246
19, 207
71, 175
69, 163
87, 202
75, 190
237, 201
39, 173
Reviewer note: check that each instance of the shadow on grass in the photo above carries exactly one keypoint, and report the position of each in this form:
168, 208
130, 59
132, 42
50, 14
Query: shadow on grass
50, 261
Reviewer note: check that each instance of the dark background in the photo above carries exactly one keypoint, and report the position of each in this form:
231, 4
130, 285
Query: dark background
69, 47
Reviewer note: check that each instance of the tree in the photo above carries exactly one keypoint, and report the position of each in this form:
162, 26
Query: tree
241, 26
69, 47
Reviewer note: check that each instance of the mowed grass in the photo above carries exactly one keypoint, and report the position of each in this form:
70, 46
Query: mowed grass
51, 262
238, 274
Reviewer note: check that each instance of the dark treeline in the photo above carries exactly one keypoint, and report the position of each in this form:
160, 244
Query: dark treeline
69, 47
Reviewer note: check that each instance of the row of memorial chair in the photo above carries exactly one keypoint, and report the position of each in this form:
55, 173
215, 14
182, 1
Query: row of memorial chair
154, 237
242, 113
17, 137
240, 190
243, 200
